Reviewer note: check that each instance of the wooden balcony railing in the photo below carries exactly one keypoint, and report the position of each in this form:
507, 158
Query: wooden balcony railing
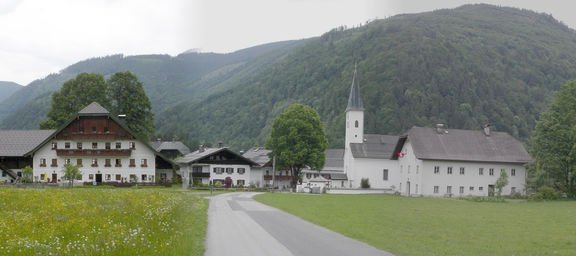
93, 152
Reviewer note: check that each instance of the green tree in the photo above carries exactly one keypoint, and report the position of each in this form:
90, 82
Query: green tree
27, 173
71, 173
501, 182
128, 97
74, 95
553, 143
297, 140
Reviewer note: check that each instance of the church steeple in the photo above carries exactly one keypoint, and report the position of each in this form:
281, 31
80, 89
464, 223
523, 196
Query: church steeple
354, 100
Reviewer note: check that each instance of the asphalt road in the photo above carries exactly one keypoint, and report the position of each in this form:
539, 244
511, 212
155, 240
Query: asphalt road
238, 225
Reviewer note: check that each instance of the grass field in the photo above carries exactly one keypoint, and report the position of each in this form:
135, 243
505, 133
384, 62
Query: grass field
437, 226
88, 221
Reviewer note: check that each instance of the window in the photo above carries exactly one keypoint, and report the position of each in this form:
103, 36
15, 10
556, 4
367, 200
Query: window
118, 177
480, 171
241, 170
107, 145
54, 145
491, 171
67, 145
308, 175
81, 129
67, 161
229, 170
106, 130
449, 170
144, 163
513, 190
144, 177
436, 169
471, 188
461, 190
480, 188
94, 162
132, 162
54, 162
93, 129
43, 162
118, 163
108, 177
90, 176
79, 145
240, 183
385, 174
132, 145
449, 190
356, 124
436, 188
94, 145
133, 178
107, 163
79, 162
417, 169
118, 145
513, 172
462, 170
218, 170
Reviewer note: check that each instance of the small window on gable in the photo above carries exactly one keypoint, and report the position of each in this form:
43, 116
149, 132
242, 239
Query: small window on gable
93, 129
356, 123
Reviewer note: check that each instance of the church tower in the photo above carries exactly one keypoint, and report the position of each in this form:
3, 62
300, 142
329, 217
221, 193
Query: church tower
354, 115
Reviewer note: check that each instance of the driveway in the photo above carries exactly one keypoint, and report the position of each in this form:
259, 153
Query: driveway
238, 225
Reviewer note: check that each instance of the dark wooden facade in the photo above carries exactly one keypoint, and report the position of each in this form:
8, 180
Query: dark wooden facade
94, 128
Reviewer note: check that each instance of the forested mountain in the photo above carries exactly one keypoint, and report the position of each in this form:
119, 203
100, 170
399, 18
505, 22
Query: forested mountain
166, 79
463, 67
7, 89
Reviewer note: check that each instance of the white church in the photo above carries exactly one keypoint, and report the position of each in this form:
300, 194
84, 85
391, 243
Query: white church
427, 161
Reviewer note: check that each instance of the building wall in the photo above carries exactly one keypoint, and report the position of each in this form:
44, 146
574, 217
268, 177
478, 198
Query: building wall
373, 169
420, 175
109, 174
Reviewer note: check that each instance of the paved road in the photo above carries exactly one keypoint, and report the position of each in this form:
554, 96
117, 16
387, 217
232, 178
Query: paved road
238, 225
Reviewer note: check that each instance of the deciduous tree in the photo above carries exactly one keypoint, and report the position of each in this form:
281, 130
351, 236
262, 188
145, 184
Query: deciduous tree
71, 173
298, 140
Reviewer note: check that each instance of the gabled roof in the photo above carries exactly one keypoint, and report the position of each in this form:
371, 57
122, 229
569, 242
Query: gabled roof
94, 108
375, 146
466, 145
170, 145
334, 160
258, 155
15, 143
207, 152
355, 100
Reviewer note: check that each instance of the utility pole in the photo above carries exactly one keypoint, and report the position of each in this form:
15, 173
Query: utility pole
273, 171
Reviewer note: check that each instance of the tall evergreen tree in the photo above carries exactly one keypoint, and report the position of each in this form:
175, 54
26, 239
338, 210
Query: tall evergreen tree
553, 143
75, 94
297, 140
128, 97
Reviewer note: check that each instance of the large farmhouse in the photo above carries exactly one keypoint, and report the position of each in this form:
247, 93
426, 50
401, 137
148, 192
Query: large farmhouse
100, 144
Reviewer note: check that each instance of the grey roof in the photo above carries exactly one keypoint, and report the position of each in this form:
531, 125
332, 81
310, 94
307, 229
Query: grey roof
94, 108
334, 160
355, 100
21, 142
466, 145
375, 146
338, 176
170, 145
258, 155
201, 154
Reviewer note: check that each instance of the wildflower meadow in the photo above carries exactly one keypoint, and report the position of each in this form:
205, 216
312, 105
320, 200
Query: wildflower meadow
88, 221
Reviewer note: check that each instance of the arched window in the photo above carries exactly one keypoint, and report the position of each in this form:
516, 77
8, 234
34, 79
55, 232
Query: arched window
356, 123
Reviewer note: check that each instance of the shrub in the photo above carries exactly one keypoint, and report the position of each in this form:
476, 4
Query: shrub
545, 193
365, 183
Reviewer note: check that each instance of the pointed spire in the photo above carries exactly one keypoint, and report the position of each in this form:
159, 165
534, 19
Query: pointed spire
355, 101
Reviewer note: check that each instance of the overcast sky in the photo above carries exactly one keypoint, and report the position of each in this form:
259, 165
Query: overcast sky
39, 37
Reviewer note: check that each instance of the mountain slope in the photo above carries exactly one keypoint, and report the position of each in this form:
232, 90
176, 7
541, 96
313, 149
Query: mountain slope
464, 67
7, 89
166, 79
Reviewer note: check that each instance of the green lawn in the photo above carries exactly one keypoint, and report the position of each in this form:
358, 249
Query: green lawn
107, 221
437, 226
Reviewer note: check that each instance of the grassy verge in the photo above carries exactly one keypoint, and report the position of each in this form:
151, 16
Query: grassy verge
432, 226
101, 222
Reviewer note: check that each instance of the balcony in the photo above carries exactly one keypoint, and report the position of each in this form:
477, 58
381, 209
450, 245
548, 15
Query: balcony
269, 177
201, 174
93, 152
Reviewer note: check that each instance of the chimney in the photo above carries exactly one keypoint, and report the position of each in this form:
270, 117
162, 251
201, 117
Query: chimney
201, 148
440, 128
220, 144
487, 129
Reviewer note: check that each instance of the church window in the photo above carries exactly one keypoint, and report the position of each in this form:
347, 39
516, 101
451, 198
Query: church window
385, 174
356, 124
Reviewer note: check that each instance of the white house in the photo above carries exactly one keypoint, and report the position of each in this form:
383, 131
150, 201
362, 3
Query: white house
452, 162
211, 165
